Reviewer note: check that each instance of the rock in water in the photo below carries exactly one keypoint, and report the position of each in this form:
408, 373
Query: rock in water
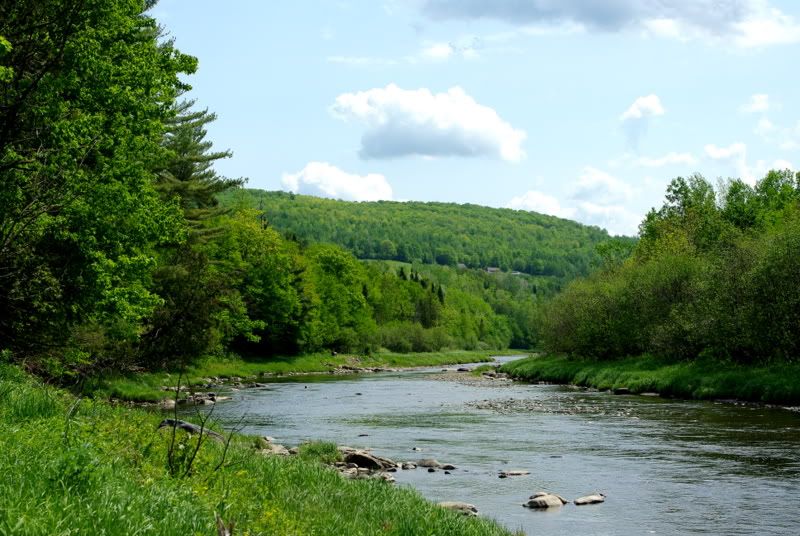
506, 474
545, 500
362, 459
460, 507
590, 499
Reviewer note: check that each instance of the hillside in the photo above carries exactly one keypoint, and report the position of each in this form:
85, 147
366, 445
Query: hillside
433, 233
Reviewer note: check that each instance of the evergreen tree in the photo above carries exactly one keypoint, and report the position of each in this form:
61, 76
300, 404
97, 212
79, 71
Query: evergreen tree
189, 174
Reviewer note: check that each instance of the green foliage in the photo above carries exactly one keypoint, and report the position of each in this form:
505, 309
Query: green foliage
98, 469
714, 274
699, 379
429, 233
87, 88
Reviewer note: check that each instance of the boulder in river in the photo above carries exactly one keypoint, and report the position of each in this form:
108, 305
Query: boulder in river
460, 507
363, 459
543, 499
515, 472
595, 498
429, 462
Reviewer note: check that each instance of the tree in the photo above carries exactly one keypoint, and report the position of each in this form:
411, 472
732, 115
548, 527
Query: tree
189, 176
82, 116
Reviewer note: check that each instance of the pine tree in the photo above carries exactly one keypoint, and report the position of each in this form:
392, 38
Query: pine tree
189, 174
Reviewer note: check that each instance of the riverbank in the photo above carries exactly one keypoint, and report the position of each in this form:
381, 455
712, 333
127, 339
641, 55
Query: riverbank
699, 379
74, 466
149, 386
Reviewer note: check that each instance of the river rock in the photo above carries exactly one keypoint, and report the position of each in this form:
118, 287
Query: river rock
590, 499
429, 462
460, 507
275, 449
409, 465
364, 460
622, 391
516, 472
543, 499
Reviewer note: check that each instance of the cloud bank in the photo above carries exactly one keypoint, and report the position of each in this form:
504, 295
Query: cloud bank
402, 123
325, 180
746, 23
597, 198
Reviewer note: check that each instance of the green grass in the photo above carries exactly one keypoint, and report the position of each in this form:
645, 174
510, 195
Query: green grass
700, 379
146, 387
97, 468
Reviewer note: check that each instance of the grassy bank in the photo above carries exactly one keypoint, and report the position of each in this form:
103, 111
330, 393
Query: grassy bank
94, 468
700, 379
146, 387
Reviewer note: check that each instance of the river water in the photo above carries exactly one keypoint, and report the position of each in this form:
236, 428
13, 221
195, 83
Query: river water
666, 466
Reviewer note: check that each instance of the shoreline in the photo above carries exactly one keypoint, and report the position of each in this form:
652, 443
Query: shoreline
772, 385
151, 388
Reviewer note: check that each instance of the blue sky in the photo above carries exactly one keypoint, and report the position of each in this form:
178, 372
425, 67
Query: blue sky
584, 109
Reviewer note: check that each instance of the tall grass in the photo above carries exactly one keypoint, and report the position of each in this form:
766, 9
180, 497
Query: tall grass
102, 469
777, 383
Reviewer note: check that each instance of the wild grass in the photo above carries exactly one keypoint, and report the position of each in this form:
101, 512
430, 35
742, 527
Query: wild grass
95, 468
146, 387
777, 383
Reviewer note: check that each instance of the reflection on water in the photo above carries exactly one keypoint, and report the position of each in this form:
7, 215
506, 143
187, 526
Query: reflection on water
667, 467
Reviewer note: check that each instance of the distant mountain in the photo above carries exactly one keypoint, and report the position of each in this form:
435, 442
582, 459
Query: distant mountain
433, 233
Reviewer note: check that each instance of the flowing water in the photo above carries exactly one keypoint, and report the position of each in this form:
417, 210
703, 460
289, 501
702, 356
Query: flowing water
666, 466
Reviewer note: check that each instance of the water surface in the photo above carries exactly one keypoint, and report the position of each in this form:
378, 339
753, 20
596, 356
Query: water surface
667, 467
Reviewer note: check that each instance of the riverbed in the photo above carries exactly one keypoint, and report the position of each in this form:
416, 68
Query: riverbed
666, 466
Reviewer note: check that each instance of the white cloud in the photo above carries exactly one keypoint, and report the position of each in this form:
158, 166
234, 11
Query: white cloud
643, 107
766, 26
786, 138
599, 187
418, 122
616, 219
438, 51
735, 155
782, 164
725, 153
757, 103
636, 119
745, 23
672, 158
669, 159
599, 199
541, 202
324, 180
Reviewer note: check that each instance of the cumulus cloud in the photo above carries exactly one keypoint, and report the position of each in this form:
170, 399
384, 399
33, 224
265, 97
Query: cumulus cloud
636, 119
599, 187
642, 108
757, 103
735, 156
540, 202
325, 180
597, 198
402, 122
668, 159
787, 138
746, 23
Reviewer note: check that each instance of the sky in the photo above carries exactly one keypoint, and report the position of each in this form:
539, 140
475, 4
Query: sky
583, 109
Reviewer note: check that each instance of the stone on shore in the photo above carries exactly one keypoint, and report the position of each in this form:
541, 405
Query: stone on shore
460, 507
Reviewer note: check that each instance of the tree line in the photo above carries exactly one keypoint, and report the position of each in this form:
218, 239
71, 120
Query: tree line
447, 234
714, 275
116, 253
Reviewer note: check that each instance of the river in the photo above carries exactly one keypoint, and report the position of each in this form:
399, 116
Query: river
666, 466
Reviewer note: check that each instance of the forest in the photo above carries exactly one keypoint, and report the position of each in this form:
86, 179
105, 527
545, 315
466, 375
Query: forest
434, 233
714, 275
121, 247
